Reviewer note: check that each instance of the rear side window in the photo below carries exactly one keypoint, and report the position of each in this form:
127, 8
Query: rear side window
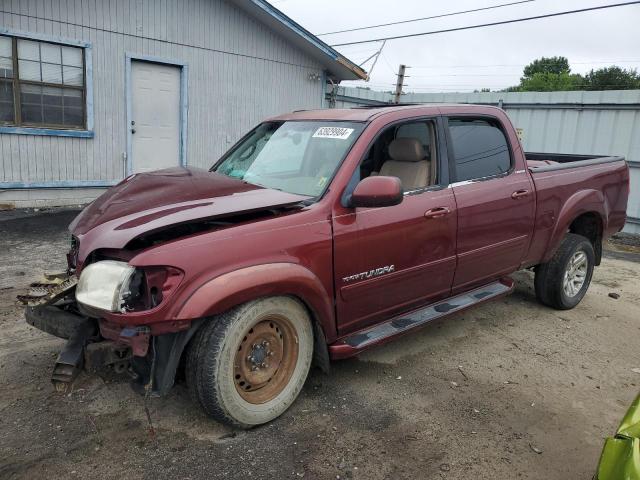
479, 147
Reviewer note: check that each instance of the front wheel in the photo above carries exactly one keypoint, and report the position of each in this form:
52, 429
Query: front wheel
247, 366
562, 282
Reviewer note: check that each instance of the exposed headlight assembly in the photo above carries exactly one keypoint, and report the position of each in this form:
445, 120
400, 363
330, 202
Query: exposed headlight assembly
105, 285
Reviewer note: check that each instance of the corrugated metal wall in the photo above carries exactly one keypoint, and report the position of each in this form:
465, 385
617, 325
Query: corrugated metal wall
239, 73
606, 122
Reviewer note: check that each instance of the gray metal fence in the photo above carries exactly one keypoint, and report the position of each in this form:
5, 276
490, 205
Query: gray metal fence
601, 122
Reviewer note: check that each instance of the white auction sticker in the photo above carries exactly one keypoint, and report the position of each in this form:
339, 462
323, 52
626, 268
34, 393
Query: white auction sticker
333, 132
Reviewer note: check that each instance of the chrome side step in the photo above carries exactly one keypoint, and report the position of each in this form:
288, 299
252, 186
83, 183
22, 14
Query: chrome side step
355, 343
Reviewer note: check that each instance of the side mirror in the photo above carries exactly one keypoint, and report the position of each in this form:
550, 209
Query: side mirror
373, 192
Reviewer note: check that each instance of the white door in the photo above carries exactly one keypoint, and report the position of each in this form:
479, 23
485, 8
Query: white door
155, 116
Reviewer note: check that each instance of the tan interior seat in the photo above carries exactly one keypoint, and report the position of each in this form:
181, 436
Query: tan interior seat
407, 162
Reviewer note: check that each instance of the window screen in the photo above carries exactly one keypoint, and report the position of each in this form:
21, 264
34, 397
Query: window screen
480, 148
41, 84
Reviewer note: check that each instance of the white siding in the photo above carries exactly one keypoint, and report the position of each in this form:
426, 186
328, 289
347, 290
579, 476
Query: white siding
239, 73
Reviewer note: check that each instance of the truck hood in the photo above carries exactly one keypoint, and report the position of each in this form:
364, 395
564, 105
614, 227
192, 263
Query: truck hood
148, 202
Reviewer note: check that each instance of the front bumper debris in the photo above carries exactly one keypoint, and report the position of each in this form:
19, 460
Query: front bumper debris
85, 347
54, 321
52, 288
71, 359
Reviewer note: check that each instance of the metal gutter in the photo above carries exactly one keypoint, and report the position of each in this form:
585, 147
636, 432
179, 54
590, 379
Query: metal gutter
261, 6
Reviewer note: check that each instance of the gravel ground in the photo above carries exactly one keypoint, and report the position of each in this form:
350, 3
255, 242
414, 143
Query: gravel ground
507, 390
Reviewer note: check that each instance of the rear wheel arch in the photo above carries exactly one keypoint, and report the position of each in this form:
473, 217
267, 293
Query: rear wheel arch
590, 225
583, 204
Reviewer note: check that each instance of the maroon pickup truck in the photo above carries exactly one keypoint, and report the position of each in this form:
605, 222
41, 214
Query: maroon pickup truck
318, 235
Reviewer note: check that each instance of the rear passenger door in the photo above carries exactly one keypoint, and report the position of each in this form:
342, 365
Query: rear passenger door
495, 201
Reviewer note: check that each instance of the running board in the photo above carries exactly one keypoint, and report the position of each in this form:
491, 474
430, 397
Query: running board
359, 341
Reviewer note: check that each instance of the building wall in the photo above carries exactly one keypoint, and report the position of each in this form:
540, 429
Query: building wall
599, 122
239, 72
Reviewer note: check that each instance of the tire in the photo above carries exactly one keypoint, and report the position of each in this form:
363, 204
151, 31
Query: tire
248, 365
550, 285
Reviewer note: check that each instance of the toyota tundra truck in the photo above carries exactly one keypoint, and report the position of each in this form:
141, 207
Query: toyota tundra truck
318, 235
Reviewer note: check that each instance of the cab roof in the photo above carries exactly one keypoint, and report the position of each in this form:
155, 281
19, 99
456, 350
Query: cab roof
366, 114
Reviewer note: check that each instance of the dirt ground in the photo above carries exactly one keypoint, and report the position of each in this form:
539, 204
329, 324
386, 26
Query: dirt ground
507, 390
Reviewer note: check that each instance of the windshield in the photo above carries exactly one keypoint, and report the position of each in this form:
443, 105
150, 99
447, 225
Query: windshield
295, 157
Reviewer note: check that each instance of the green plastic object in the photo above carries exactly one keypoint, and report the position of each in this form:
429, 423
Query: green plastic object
620, 459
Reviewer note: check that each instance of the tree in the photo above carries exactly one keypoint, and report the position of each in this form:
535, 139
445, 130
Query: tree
612, 78
550, 82
556, 65
553, 74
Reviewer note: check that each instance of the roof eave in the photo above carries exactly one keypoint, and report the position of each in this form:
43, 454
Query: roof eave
337, 66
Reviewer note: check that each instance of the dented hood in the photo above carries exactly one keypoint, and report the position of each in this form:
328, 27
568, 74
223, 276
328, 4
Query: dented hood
148, 202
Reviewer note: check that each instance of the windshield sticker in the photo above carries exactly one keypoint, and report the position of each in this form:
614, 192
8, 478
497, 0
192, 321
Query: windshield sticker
333, 132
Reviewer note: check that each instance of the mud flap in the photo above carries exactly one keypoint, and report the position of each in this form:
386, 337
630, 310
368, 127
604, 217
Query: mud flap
156, 372
71, 359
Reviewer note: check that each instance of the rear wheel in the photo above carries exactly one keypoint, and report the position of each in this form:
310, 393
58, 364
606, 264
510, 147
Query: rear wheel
247, 366
563, 281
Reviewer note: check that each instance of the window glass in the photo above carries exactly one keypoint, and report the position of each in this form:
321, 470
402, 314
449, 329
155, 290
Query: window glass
72, 56
73, 111
480, 148
50, 84
420, 131
29, 70
51, 73
50, 53
28, 50
73, 76
6, 101
6, 67
296, 157
5, 47
6, 58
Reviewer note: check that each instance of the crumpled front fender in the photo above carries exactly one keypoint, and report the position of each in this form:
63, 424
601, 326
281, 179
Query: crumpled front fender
234, 288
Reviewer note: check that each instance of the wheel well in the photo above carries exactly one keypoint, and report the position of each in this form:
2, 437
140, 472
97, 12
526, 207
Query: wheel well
320, 350
589, 225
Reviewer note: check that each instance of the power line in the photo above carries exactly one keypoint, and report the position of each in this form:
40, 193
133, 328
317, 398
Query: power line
425, 18
503, 22
522, 64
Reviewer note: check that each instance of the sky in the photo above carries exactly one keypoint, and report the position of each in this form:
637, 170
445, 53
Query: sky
491, 57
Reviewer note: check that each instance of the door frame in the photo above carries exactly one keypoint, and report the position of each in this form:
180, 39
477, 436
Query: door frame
184, 105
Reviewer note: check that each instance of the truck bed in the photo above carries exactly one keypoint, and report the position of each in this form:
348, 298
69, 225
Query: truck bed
569, 185
542, 162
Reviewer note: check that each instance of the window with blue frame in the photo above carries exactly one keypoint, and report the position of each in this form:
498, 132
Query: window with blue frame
42, 84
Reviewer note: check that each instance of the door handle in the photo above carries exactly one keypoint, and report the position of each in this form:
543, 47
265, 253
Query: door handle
437, 212
519, 194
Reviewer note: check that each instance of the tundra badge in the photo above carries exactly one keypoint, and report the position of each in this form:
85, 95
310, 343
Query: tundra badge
370, 274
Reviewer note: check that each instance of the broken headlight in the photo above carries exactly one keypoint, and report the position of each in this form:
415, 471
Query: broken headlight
105, 285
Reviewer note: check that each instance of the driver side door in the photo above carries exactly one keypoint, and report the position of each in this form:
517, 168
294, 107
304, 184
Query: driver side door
390, 260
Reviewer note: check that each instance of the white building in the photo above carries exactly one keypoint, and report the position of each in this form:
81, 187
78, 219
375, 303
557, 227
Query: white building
91, 90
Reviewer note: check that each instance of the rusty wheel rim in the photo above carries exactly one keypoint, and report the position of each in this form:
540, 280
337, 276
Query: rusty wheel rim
265, 359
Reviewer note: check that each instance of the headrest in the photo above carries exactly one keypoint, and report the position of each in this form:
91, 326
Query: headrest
406, 150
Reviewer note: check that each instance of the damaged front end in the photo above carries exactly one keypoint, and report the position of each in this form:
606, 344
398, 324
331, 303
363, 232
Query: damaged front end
91, 313
52, 308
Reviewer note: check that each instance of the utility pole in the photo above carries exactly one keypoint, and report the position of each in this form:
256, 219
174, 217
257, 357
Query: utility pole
399, 83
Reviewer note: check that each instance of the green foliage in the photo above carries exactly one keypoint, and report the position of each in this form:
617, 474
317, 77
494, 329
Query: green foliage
555, 65
554, 74
550, 82
612, 78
